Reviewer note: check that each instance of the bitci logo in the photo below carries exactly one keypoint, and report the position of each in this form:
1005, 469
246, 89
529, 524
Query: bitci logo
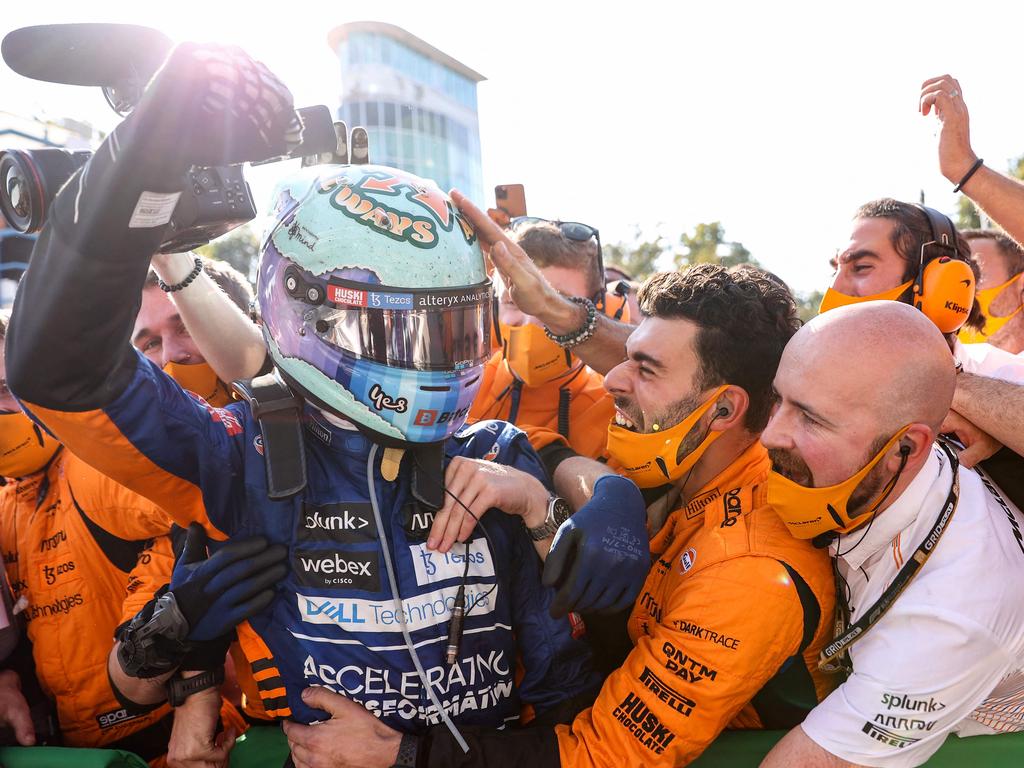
428, 418
425, 418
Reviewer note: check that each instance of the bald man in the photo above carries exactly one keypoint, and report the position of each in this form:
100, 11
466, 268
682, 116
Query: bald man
929, 556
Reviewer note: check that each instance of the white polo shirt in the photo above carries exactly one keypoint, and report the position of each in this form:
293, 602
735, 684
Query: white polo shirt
985, 360
949, 654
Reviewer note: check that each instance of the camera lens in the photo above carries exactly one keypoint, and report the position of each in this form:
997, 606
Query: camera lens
30, 179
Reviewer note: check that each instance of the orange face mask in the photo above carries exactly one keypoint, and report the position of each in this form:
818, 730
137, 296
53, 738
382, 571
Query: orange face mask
993, 324
24, 447
532, 357
200, 379
834, 298
651, 459
809, 512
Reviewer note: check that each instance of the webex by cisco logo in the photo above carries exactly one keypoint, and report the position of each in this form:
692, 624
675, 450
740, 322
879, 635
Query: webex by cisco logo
326, 569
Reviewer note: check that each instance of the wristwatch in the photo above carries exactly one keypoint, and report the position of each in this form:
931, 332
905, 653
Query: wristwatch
408, 749
558, 512
180, 688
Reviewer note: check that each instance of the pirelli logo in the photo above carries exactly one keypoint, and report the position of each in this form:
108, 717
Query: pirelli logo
888, 737
681, 704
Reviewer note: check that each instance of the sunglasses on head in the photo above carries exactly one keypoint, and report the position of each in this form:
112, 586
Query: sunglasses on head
576, 231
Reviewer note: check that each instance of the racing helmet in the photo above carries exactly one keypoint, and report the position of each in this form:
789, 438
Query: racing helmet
375, 302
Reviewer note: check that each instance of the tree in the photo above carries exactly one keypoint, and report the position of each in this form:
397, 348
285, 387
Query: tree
967, 216
240, 248
705, 245
1017, 168
638, 258
807, 304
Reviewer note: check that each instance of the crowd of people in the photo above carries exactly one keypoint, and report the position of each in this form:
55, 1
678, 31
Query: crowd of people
444, 492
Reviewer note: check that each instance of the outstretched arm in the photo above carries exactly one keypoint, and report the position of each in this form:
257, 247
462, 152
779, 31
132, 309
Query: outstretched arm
208, 105
534, 295
229, 340
69, 359
1001, 197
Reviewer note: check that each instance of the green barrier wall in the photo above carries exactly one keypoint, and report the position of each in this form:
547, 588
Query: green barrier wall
61, 757
745, 749
265, 747
260, 747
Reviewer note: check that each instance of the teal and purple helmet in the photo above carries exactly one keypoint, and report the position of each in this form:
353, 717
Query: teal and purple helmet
375, 302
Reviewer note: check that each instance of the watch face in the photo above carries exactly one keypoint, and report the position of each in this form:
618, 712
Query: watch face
560, 510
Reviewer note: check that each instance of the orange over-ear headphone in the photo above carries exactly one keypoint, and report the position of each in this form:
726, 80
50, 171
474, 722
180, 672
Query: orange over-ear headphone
944, 286
615, 303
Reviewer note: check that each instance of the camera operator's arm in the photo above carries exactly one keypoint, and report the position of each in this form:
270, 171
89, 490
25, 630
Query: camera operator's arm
229, 340
68, 348
535, 296
68, 353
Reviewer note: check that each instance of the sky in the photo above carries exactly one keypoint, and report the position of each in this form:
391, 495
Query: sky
777, 119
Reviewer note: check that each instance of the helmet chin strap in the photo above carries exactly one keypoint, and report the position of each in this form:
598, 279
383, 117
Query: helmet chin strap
337, 421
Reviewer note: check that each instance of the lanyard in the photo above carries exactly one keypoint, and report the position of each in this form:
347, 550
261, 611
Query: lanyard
835, 656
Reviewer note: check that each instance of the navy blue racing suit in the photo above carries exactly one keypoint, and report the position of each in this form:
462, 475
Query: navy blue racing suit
334, 621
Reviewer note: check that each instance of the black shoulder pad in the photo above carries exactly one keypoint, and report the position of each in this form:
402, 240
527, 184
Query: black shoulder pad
278, 411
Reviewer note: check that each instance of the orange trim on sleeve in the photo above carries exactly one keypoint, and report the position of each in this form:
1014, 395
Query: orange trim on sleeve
261, 662
93, 437
265, 674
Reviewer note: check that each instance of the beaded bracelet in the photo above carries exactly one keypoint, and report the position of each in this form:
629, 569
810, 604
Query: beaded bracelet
581, 334
184, 283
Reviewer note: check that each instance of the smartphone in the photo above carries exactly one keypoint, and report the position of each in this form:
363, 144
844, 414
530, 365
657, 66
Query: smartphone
511, 199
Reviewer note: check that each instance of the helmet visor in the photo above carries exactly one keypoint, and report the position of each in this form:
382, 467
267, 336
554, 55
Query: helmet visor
444, 330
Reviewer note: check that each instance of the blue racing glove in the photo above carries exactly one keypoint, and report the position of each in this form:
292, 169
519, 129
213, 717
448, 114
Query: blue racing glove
216, 594
190, 623
601, 555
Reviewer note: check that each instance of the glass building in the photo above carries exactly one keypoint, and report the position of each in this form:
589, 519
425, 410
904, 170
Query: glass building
417, 103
